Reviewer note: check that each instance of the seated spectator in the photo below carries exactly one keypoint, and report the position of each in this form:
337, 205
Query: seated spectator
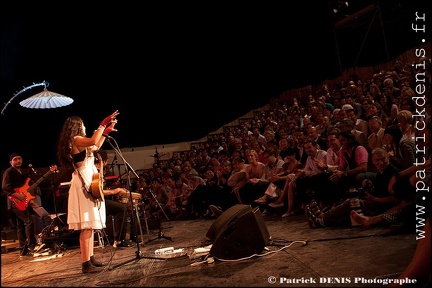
334, 116
290, 167
283, 143
359, 124
389, 108
375, 109
325, 198
179, 193
375, 91
235, 182
160, 199
259, 148
348, 125
317, 137
365, 105
324, 126
391, 90
213, 193
238, 177
375, 200
299, 137
256, 186
401, 151
404, 121
351, 101
352, 162
303, 180
256, 135
402, 183
376, 138
278, 181
407, 104
270, 136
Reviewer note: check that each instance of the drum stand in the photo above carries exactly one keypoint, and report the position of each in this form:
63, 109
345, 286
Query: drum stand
134, 208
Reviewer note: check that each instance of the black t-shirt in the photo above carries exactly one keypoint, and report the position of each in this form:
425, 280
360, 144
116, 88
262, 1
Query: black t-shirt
12, 179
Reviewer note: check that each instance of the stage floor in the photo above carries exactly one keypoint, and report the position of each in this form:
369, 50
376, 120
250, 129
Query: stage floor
344, 255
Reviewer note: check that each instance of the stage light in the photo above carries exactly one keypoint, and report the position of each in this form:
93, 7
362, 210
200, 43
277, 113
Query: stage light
43, 100
46, 100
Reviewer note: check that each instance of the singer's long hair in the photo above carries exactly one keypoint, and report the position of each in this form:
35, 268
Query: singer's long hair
72, 127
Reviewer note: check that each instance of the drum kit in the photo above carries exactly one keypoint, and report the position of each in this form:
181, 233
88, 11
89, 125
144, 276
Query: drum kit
123, 197
137, 201
112, 182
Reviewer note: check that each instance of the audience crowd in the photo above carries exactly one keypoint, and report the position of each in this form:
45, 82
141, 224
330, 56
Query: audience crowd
305, 153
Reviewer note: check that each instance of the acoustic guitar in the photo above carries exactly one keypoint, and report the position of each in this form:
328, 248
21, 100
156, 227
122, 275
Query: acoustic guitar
96, 187
28, 190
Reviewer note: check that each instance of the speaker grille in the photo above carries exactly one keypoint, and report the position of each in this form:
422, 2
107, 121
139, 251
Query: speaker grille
240, 233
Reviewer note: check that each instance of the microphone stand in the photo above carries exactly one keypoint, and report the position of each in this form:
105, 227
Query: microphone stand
160, 233
138, 253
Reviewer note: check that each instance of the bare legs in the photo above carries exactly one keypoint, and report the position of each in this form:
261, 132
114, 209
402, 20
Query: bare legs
89, 264
86, 240
366, 221
291, 191
284, 191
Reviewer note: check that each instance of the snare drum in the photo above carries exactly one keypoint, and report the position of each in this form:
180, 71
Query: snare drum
123, 197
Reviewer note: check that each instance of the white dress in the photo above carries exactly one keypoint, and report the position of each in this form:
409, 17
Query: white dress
84, 211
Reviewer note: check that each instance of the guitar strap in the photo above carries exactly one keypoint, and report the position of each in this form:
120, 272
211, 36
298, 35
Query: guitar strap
84, 187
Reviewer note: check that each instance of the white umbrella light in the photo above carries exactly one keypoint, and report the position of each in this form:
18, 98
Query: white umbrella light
46, 100
43, 100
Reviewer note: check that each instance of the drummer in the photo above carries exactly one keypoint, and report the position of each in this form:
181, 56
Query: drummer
115, 211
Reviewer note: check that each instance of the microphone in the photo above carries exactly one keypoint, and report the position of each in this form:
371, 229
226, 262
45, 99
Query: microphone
107, 136
31, 167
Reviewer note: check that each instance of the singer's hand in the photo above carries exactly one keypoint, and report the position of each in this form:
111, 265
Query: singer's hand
109, 119
110, 128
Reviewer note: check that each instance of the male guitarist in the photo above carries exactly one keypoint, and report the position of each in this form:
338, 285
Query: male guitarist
14, 178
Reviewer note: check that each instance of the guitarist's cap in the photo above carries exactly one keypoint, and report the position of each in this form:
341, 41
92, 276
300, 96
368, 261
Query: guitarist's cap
13, 155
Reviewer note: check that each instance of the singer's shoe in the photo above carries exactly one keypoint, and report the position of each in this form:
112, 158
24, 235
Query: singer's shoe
88, 267
95, 263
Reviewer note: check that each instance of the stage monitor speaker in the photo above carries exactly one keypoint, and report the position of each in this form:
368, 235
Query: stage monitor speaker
225, 219
239, 232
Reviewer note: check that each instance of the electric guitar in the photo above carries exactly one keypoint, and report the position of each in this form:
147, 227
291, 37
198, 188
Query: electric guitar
96, 187
27, 190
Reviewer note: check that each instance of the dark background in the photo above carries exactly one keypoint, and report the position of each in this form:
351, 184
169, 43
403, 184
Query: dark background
176, 72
